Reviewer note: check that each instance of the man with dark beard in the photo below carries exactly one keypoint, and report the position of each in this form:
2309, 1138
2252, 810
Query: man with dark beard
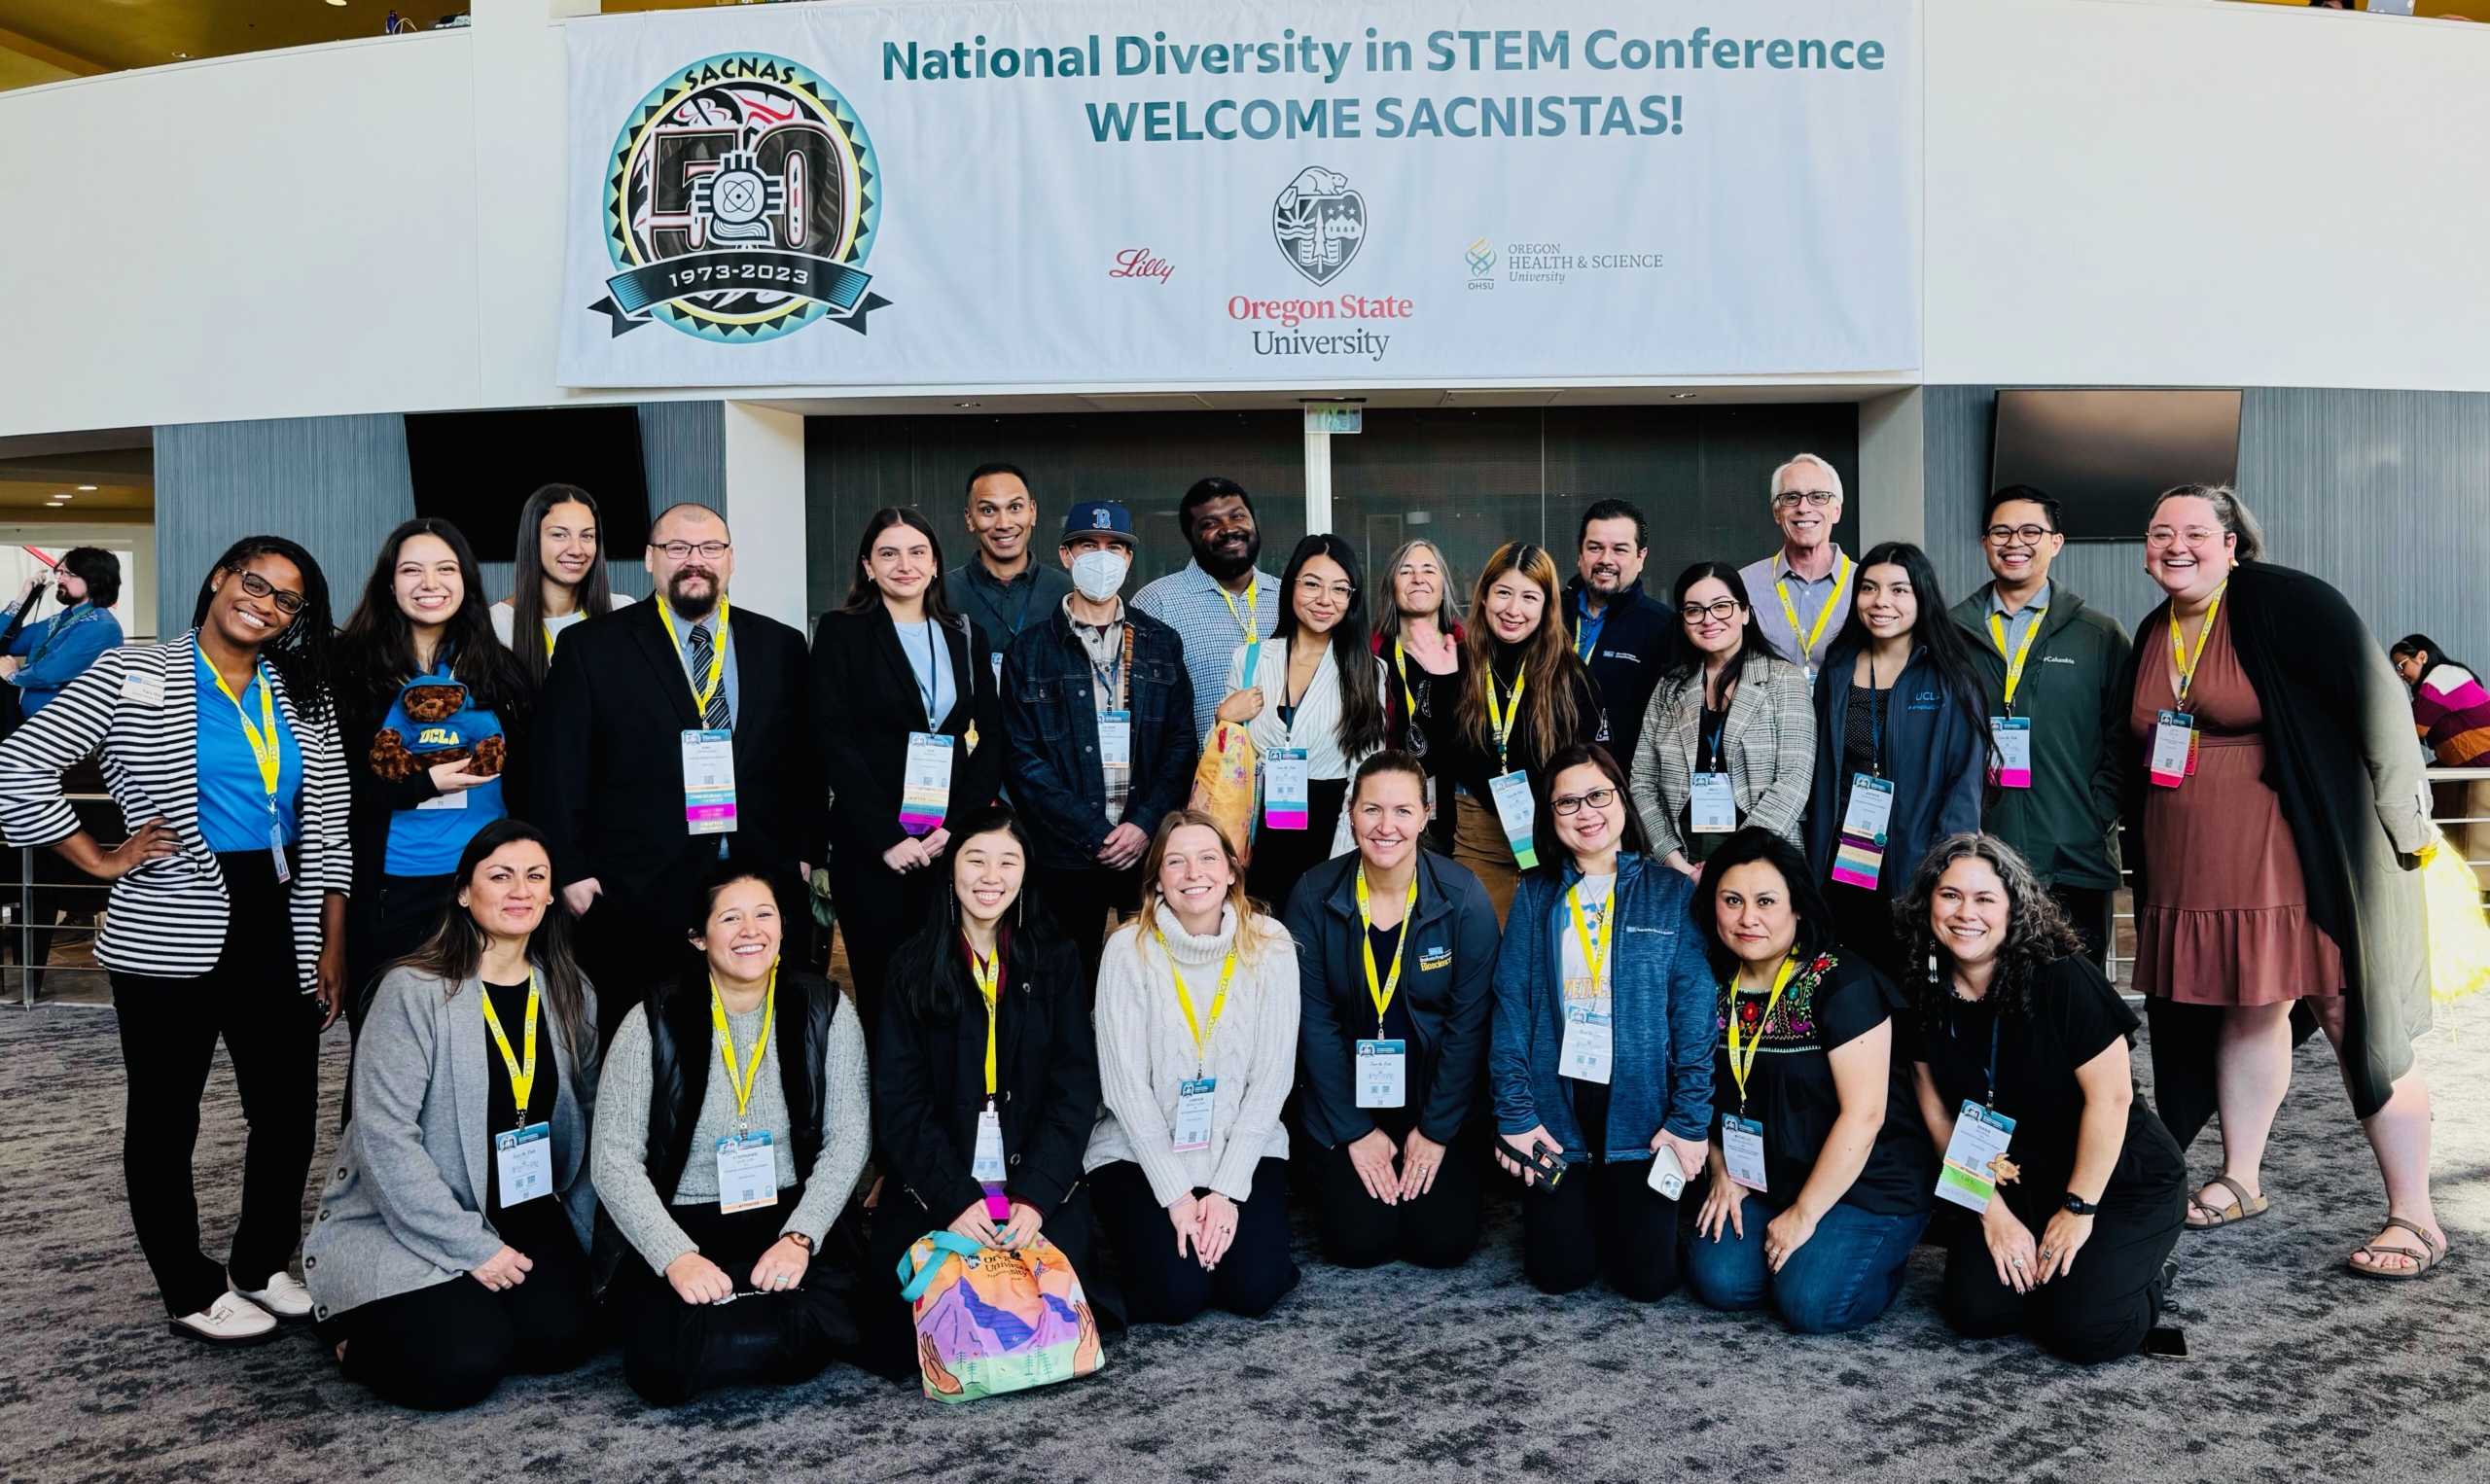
670, 737
1221, 599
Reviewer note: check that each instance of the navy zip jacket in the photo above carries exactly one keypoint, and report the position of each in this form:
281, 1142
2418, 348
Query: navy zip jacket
1626, 657
1936, 760
1660, 993
1448, 968
1051, 723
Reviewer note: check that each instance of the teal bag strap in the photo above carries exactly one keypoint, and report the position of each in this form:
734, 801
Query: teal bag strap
915, 1283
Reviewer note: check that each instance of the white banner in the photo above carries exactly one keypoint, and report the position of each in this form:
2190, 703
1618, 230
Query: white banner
1094, 194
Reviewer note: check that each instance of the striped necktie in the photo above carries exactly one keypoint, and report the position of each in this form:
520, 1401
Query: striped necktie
714, 716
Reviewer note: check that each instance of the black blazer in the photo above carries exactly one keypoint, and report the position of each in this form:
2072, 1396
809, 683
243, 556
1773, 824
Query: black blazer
608, 763
929, 1082
866, 701
1447, 975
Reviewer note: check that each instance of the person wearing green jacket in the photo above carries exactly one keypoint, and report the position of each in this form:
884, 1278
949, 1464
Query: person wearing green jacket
2049, 664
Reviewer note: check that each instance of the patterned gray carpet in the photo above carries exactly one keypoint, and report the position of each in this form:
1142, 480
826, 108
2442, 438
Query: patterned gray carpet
2298, 1372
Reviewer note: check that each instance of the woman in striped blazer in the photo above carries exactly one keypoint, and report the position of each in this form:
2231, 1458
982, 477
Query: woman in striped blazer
1725, 704
228, 904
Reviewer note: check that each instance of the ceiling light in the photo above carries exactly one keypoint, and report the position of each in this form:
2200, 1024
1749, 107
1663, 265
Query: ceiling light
85, 487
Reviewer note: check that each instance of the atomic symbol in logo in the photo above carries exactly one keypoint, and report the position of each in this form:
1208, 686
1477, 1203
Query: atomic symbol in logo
1319, 223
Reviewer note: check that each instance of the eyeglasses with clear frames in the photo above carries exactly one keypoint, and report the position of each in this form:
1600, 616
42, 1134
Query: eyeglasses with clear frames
1572, 803
1789, 498
685, 550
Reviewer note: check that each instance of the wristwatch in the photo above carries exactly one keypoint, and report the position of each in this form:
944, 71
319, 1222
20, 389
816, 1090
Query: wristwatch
2079, 1205
806, 1243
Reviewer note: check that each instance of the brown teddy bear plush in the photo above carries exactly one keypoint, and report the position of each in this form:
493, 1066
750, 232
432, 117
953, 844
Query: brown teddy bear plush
393, 760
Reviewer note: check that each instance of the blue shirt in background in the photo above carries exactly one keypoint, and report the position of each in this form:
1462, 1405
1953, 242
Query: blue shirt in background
233, 801
60, 649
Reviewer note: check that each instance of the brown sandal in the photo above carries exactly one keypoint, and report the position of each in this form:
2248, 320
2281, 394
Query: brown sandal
2422, 1261
2243, 1209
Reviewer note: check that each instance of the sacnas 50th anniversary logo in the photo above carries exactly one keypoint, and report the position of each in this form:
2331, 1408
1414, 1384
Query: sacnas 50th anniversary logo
740, 203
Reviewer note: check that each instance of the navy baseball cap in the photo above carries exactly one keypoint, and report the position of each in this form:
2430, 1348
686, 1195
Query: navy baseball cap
1104, 516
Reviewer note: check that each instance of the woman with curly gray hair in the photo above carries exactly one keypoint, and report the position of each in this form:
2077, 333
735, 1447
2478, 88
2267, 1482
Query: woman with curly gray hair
2023, 1051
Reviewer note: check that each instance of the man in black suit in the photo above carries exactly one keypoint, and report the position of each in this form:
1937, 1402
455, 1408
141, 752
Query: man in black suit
637, 702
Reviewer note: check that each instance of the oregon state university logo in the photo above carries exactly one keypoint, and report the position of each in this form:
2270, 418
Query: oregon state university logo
1319, 223
740, 202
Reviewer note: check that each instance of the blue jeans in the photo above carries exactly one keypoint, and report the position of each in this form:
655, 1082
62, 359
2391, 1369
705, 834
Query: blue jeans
1841, 1278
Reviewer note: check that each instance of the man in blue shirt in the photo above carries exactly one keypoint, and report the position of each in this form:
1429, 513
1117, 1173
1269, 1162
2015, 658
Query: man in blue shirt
45, 658
1221, 599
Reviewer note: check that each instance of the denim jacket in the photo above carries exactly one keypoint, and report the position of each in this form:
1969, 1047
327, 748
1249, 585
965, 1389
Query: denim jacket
1661, 994
1051, 727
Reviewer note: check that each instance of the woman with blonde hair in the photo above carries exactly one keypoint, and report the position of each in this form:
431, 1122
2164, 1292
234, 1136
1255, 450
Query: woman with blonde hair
1196, 1024
1524, 697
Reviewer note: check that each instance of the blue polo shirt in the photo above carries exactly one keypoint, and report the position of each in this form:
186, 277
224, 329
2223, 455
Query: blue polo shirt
232, 802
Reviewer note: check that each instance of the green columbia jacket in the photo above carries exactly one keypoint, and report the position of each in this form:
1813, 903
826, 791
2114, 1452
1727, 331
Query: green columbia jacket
2063, 823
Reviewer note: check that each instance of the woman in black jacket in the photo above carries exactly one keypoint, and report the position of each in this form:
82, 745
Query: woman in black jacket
1397, 956
909, 731
985, 1083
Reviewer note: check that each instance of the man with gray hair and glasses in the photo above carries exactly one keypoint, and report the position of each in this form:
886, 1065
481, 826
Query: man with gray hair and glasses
1802, 592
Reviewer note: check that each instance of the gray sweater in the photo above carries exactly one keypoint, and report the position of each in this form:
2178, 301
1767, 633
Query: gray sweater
622, 1139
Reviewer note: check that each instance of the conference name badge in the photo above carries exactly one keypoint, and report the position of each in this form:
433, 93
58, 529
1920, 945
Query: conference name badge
1193, 1113
1742, 1151
747, 1172
1518, 812
1711, 807
1114, 738
1976, 1156
925, 788
709, 784
2174, 749
1383, 1073
1286, 796
2011, 736
1861, 855
523, 1163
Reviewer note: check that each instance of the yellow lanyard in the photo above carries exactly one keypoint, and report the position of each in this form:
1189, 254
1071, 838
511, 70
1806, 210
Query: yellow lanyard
1789, 609
2023, 651
726, 1041
700, 694
522, 1073
1594, 947
988, 973
264, 742
1380, 990
1501, 718
1201, 1039
1739, 1068
2204, 636
1251, 617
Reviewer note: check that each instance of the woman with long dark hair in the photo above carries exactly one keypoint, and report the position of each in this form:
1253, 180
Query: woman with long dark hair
1729, 741
451, 1250
560, 577
1524, 699
986, 1082
1418, 635
432, 711
1901, 746
1313, 694
2018, 1034
908, 728
229, 901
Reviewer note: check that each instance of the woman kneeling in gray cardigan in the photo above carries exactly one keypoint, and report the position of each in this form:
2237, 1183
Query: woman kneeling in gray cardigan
450, 1247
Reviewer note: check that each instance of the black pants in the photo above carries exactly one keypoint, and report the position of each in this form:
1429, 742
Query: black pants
2088, 908
888, 1321
1438, 1230
1078, 902
1282, 855
254, 999
673, 1350
447, 1345
1162, 1287
2098, 1312
1602, 1219
878, 910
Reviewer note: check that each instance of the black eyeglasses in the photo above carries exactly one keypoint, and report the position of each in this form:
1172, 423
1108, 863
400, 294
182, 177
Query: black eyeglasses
258, 587
1724, 609
1789, 498
2017, 535
1572, 803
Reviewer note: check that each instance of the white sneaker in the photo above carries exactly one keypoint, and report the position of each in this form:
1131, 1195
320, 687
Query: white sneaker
285, 1297
231, 1320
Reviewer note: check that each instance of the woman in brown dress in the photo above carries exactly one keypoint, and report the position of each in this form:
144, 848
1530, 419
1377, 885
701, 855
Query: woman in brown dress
2276, 862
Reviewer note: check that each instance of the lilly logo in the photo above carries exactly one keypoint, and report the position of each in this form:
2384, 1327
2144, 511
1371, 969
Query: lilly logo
1482, 259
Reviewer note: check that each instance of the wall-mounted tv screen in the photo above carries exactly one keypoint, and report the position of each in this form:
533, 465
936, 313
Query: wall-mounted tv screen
2106, 453
475, 470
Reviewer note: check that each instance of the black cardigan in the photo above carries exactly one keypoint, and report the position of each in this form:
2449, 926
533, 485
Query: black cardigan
865, 703
2337, 728
929, 1082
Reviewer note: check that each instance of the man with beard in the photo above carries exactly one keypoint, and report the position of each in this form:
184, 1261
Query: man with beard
669, 737
1802, 592
1618, 629
1221, 599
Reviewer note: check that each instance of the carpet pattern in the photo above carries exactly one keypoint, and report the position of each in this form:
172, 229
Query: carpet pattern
2298, 1372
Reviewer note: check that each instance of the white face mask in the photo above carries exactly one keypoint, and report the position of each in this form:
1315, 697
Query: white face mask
1100, 574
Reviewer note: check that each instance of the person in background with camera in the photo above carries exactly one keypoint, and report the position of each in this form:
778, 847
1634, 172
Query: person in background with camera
560, 578
1601, 1058
1729, 741
228, 912
477, 1069
42, 657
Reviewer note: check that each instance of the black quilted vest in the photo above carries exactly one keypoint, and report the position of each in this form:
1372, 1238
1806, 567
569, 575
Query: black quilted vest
683, 1054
